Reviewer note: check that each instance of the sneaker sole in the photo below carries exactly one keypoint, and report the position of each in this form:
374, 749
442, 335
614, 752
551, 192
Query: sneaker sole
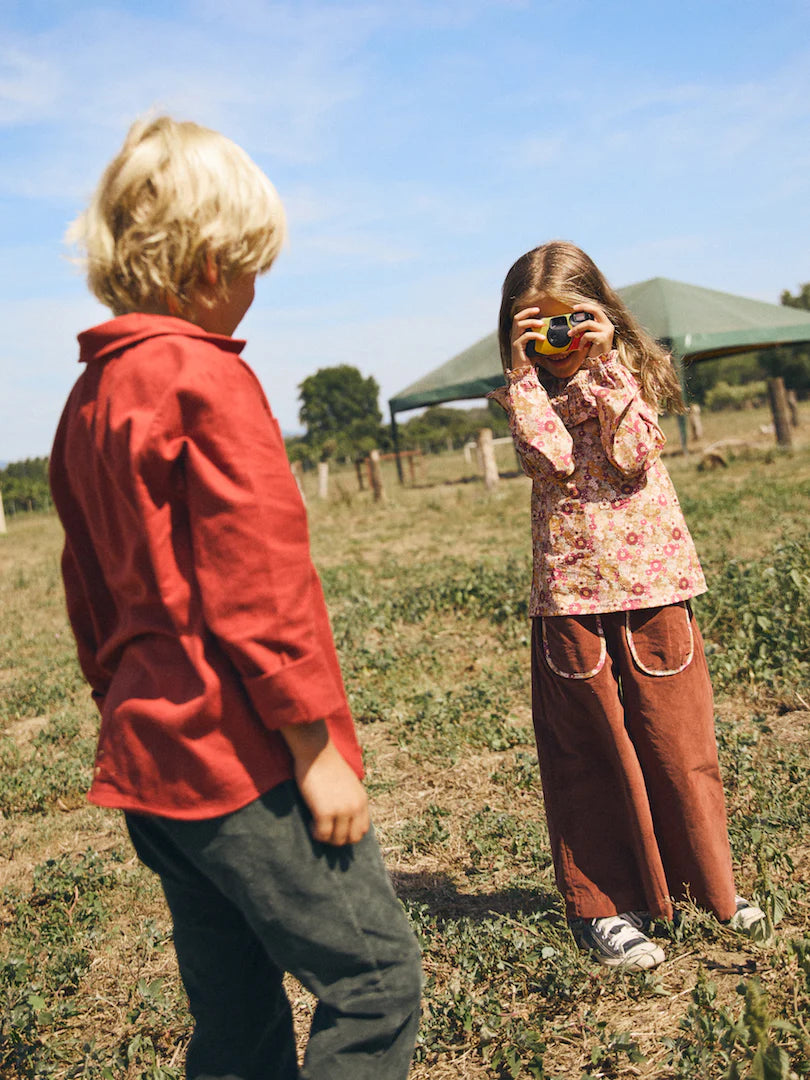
642, 962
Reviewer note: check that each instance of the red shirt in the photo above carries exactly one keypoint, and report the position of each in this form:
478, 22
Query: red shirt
198, 615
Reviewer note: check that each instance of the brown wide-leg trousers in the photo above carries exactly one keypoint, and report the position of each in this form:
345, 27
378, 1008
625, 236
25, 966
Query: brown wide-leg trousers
624, 722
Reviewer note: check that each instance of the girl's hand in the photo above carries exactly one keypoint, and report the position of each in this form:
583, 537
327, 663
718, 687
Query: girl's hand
525, 328
599, 332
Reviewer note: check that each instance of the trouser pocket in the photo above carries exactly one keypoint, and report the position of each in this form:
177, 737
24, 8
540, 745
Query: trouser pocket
661, 640
574, 645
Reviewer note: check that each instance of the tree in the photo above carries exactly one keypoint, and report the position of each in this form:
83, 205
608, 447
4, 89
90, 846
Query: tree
800, 300
340, 411
439, 425
792, 362
25, 485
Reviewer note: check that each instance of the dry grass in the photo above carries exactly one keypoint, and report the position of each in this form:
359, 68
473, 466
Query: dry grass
444, 702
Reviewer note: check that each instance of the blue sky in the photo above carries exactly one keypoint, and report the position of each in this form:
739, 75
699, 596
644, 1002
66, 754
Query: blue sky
419, 149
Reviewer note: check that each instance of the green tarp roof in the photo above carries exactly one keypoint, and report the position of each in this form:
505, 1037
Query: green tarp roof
695, 323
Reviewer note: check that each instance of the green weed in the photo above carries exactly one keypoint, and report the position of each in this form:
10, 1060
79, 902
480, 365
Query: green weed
756, 620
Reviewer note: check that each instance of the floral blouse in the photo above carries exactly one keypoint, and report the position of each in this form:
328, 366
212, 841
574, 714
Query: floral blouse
608, 532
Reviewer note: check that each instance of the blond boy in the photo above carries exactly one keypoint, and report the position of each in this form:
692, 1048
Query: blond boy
201, 627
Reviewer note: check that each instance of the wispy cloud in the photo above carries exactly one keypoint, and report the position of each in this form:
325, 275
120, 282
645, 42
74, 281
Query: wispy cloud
419, 149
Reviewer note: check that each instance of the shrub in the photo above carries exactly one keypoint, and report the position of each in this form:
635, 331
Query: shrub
744, 396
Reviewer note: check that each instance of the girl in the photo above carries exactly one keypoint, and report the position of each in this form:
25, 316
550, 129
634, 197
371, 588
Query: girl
621, 699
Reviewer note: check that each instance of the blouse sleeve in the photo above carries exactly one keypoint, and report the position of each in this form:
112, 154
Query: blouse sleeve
631, 437
542, 441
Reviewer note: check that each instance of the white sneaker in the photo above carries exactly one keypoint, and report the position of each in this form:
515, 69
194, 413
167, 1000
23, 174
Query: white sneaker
617, 942
748, 919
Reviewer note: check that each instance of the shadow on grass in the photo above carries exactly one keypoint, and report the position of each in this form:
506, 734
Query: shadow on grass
440, 894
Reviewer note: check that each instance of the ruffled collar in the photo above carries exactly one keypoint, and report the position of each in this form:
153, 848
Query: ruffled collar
572, 399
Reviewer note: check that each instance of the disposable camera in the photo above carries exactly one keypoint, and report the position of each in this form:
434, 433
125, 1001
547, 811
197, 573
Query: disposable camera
556, 329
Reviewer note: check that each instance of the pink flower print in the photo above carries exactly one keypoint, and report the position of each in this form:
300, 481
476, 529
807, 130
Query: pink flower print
639, 589
662, 500
676, 534
632, 538
586, 593
622, 554
669, 550
684, 583
641, 450
656, 566
580, 542
550, 425
574, 609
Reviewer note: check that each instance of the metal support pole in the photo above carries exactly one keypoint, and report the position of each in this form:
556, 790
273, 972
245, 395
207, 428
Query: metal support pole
395, 440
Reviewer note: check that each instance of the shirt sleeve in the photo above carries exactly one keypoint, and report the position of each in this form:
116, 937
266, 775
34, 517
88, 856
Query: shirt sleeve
543, 442
79, 609
261, 596
81, 623
631, 437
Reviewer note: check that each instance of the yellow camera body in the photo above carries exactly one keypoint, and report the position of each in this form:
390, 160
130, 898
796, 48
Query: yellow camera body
557, 341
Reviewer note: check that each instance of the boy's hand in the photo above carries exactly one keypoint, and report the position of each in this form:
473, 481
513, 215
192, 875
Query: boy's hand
335, 797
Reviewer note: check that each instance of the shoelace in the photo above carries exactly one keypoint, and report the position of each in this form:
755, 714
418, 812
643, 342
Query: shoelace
618, 931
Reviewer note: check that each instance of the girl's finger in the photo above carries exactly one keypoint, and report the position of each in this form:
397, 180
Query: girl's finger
529, 324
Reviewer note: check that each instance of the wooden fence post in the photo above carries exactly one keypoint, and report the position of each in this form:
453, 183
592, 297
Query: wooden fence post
3, 528
323, 479
298, 472
358, 468
779, 408
376, 476
695, 422
487, 451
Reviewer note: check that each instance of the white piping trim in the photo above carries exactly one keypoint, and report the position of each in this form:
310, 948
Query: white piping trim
577, 674
650, 671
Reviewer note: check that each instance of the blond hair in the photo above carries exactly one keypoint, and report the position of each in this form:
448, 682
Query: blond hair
176, 197
563, 272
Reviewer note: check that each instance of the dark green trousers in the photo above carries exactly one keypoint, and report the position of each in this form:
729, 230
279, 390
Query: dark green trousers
253, 896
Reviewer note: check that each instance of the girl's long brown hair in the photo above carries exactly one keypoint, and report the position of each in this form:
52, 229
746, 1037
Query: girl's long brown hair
561, 271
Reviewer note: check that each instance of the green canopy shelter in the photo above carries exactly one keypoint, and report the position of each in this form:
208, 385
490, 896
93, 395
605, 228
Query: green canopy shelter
695, 324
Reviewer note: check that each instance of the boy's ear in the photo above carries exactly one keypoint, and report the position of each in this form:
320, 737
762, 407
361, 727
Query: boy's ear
210, 270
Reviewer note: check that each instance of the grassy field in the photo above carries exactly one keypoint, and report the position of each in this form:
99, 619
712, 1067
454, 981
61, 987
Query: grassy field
427, 594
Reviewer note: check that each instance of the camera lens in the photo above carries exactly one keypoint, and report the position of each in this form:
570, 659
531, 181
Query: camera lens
557, 333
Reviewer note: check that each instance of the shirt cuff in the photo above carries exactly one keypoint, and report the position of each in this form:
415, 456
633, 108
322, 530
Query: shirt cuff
298, 693
529, 373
